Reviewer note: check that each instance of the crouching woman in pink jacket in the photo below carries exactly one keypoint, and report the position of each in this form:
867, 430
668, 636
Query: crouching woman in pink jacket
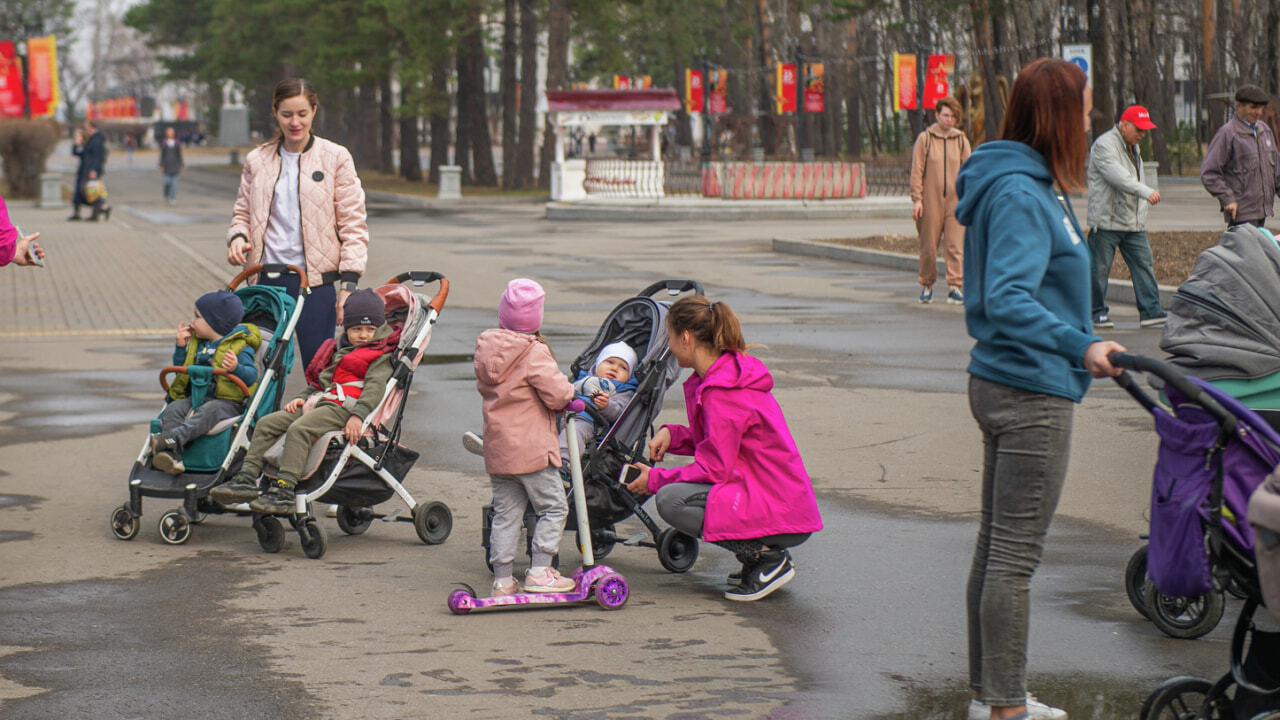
746, 490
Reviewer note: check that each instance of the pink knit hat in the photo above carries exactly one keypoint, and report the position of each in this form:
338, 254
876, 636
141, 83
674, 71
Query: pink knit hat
520, 308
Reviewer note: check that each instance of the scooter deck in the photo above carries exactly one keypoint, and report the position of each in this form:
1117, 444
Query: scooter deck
462, 602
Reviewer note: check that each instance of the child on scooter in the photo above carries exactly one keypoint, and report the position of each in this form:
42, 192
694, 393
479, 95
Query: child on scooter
522, 389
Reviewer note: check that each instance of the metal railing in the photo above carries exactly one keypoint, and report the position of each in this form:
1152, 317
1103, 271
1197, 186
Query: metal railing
888, 175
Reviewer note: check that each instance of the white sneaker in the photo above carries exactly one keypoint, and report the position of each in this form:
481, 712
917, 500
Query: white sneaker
1036, 710
473, 443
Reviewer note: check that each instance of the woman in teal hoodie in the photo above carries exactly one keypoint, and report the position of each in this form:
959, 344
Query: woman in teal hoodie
1026, 272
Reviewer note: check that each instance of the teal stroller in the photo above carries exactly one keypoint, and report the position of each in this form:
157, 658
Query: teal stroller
216, 456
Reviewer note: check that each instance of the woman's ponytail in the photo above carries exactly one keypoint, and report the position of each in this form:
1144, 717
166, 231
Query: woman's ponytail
711, 323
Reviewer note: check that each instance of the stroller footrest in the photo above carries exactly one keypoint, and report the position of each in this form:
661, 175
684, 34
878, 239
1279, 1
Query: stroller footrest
638, 539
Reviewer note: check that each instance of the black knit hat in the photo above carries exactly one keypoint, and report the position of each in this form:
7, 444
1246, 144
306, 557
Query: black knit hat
363, 307
1252, 94
221, 309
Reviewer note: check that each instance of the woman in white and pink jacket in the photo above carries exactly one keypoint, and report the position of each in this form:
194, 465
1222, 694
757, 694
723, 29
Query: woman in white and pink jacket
300, 203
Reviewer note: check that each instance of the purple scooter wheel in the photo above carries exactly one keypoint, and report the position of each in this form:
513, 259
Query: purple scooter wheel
461, 602
611, 591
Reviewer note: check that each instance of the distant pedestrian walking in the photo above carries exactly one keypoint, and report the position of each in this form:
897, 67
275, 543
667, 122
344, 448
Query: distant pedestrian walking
1118, 205
91, 147
935, 160
170, 164
1242, 166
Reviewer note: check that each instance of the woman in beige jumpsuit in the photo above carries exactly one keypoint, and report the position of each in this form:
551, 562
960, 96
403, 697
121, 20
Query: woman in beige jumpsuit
935, 160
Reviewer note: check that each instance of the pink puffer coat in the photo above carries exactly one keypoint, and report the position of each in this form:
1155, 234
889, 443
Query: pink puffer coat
335, 236
522, 390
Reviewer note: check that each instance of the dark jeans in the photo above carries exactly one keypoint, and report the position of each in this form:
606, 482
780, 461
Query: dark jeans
319, 314
1136, 252
1025, 438
683, 506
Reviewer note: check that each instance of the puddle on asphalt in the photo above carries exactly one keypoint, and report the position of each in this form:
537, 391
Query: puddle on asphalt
399, 211
1090, 697
445, 359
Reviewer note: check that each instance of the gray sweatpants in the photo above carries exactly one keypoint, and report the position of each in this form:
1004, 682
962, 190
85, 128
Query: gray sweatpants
511, 493
185, 425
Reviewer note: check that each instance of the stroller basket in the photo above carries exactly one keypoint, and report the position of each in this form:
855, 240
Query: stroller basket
358, 485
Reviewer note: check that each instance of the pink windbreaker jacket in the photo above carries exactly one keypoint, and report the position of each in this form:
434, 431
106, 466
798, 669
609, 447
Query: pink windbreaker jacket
741, 446
335, 236
522, 390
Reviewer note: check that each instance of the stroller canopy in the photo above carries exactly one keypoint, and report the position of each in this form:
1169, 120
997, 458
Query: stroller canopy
1224, 321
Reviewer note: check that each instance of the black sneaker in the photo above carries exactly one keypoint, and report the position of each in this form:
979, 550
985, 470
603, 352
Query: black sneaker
773, 571
277, 500
735, 577
238, 489
168, 456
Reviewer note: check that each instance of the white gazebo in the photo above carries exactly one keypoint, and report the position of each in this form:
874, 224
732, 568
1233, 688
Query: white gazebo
570, 108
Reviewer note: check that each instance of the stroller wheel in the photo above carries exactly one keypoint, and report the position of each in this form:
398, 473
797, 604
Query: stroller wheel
354, 520
602, 542
1136, 583
1177, 698
677, 551
433, 521
175, 528
124, 524
314, 542
270, 533
1185, 617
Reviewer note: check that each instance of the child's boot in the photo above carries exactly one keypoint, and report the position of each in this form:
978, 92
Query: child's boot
241, 488
277, 500
167, 455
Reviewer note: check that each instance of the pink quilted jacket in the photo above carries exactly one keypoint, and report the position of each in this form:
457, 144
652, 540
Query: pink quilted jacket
334, 234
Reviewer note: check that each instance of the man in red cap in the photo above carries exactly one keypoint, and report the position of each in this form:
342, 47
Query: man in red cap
1242, 165
1119, 199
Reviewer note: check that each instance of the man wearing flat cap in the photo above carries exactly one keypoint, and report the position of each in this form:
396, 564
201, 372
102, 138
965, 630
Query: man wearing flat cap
1242, 166
1118, 202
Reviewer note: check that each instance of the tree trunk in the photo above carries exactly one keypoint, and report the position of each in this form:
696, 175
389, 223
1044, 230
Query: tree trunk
386, 126
439, 118
410, 163
462, 124
557, 77
993, 113
768, 116
528, 95
1103, 62
508, 89
483, 170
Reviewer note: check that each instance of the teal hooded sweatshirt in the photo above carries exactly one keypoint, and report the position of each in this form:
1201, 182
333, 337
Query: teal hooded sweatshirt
1026, 272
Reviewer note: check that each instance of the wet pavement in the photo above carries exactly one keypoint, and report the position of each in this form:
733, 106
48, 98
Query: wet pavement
872, 383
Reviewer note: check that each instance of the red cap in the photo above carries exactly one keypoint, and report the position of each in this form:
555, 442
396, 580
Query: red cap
1139, 116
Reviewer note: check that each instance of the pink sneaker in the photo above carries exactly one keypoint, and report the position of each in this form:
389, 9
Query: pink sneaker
547, 581
501, 589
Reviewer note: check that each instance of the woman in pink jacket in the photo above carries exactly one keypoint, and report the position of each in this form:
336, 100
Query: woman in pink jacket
522, 389
300, 203
746, 489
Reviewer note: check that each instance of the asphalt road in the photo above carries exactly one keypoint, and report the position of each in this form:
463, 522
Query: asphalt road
873, 386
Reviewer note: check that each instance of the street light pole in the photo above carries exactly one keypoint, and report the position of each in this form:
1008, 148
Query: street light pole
20, 49
706, 121
800, 110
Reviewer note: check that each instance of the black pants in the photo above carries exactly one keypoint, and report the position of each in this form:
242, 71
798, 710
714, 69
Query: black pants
319, 314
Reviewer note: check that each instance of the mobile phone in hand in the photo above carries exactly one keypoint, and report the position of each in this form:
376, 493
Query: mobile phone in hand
629, 473
32, 257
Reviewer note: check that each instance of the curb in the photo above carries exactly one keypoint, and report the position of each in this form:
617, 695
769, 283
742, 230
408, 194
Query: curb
1118, 291
722, 210
383, 196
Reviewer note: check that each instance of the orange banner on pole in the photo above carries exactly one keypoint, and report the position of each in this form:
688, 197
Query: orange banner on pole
718, 86
785, 89
42, 75
814, 87
904, 81
936, 84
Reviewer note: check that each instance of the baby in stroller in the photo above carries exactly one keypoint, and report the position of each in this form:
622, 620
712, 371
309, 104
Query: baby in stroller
215, 337
354, 380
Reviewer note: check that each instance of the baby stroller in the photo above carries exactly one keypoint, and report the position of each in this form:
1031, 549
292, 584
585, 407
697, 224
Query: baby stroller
356, 477
641, 322
1214, 453
216, 456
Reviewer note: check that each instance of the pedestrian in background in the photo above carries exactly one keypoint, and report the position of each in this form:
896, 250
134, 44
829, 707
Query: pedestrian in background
1242, 165
300, 203
90, 147
1028, 271
170, 164
1118, 205
935, 160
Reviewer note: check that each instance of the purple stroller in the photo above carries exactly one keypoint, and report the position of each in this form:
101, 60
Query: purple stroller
1214, 452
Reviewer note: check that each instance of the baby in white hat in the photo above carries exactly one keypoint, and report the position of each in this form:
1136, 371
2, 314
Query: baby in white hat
609, 386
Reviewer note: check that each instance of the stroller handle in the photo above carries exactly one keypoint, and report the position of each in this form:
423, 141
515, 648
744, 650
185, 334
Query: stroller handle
269, 268
422, 277
1169, 373
164, 374
672, 287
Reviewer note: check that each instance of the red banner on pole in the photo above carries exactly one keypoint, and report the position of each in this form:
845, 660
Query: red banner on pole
718, 86
814, 86
785, 90
693, 90
11, 94
936, 84
904, 81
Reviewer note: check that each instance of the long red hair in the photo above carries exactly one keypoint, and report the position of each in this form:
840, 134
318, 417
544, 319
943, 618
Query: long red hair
1046, 111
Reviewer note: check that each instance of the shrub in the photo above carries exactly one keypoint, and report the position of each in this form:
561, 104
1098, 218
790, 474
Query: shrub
25, 146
